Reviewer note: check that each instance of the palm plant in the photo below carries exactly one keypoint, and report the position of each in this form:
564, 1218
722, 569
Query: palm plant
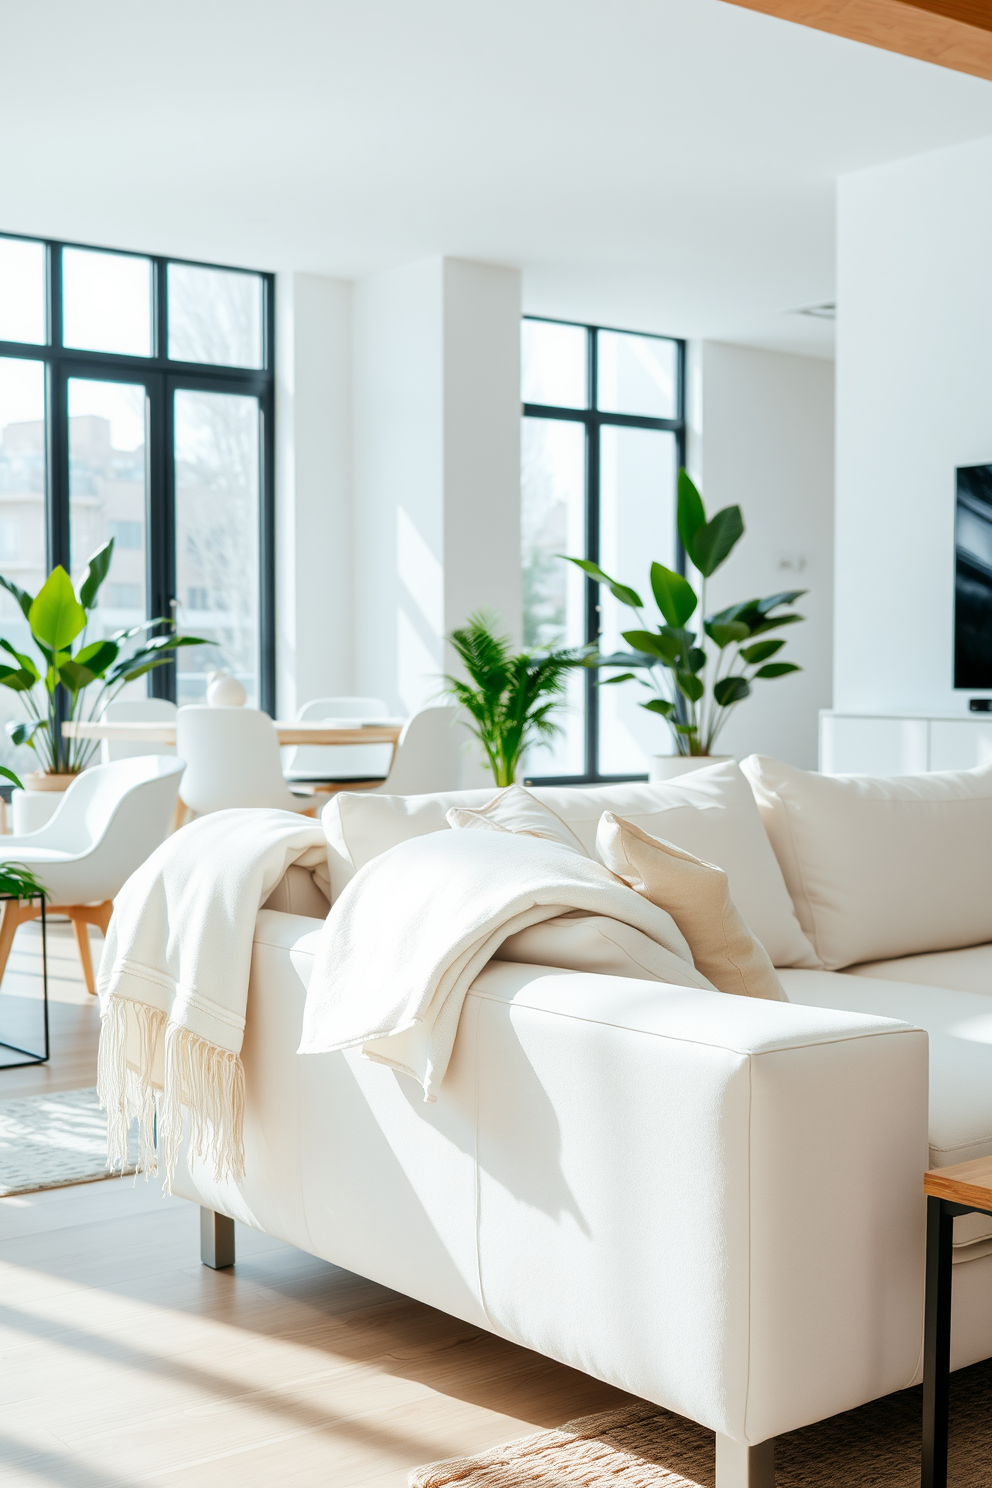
57, 617
699, 676
512, 696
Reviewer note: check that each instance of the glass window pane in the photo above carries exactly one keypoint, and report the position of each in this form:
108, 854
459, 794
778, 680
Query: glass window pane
637, 374
107, 498
22, 519
553, 522
215, 315
107, 302
22, 291
553, 364
638, 474
217, 516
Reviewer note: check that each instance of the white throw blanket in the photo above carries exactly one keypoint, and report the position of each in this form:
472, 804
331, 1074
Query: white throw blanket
173, 982
415, 926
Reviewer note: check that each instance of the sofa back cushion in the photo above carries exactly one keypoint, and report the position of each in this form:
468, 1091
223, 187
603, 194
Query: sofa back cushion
881, 866
710, 813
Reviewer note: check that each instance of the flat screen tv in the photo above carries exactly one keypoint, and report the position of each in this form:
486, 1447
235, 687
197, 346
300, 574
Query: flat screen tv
973, 578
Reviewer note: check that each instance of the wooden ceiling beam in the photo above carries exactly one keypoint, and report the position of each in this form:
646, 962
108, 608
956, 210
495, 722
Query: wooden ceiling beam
950, 33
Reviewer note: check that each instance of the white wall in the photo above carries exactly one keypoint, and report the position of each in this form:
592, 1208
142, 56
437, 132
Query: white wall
436, 467
313, 490
761, 436
914, 387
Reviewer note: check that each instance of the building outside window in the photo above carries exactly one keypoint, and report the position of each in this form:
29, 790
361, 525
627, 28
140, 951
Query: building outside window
602, 441
136, 402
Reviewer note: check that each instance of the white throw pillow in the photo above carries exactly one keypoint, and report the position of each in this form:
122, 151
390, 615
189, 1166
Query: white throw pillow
584, 942
516, 810
696, 895
881, 866
710, 813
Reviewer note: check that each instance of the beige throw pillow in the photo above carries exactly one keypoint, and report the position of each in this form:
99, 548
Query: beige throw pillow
516, 810
697, 896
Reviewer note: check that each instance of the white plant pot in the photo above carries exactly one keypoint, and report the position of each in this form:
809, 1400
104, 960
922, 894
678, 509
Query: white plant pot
670, 766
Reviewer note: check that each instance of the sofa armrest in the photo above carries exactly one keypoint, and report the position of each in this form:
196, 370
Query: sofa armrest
711, 1201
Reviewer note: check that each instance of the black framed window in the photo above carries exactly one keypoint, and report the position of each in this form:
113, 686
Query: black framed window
137, 402
602, 442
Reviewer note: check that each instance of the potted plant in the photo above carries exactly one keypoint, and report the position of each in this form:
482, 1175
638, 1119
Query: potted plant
698, 676
510, 697
74, 684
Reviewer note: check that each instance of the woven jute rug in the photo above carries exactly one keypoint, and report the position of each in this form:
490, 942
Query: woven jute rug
48, 1141
640, 1446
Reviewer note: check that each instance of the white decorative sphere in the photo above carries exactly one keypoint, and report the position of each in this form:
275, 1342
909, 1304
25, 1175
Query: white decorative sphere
225, 691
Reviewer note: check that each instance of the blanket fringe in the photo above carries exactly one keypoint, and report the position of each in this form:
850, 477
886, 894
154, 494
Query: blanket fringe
202, 1082
209, 1084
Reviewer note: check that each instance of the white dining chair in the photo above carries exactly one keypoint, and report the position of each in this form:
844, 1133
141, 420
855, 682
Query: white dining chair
232, 760
317, 763
109, 821
429, 754
136, 710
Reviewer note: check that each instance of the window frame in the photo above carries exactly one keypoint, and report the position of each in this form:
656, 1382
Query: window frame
594, 419
162, 377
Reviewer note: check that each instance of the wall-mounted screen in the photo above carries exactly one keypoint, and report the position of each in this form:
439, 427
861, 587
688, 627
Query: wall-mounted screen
973, 578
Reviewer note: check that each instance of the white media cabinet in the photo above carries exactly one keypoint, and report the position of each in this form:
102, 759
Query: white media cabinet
902, 743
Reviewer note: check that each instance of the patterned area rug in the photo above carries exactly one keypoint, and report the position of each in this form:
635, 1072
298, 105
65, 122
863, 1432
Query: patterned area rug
640, 1446
47, 1141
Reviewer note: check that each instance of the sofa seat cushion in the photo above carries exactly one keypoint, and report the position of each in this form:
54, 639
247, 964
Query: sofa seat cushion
965, 970
711, 814
960, 1029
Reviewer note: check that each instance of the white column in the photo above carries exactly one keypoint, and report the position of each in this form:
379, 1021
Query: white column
436, 467
313, 490
761, 437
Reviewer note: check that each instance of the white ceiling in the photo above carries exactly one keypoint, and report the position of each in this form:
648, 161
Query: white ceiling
660, 164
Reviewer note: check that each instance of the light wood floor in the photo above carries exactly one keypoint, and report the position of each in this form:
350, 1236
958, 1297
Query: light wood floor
125, 1361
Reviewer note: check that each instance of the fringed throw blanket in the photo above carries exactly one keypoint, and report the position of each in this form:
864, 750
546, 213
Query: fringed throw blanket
415, 926
173, 983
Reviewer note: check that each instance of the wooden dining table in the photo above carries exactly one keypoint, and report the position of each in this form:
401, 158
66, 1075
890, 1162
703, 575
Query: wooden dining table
346, 731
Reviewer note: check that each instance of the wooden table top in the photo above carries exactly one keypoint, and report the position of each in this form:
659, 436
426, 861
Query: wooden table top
962, 1183
349, 731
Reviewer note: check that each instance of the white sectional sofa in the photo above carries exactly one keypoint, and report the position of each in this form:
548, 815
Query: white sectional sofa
712, 1201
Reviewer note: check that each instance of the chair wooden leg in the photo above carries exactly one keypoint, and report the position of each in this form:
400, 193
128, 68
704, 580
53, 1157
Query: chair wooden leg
81, 916
180, 814
15, 913
80, 925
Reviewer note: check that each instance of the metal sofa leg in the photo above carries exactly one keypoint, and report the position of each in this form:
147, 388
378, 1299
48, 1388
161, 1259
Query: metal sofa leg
216, 1239
741, 1466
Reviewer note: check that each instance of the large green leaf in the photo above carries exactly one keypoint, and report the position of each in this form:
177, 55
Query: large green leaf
690, 686
56, 617
787, 597
697, 659
760, 651
74, 676
622, 592
691, 516
713, 543
24, 599
652, 644
17, 679
623, 677
727, 633
23, 732
777, 669
659, 705
25, 663
96, 572
731, 690
775, 623
674, 596
98, 655
9, 775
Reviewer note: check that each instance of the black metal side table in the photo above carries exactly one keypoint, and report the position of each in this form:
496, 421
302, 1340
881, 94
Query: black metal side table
965, 1188
30, 1056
